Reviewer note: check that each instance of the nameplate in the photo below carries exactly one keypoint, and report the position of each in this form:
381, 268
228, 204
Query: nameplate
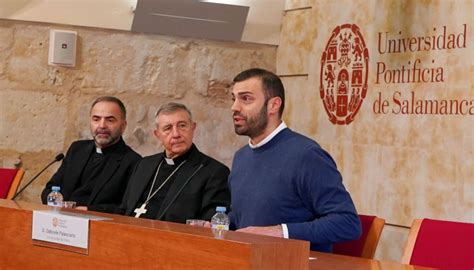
56, 227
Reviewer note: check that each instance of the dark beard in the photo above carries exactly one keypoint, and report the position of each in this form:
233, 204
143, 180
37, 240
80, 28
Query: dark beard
255, 125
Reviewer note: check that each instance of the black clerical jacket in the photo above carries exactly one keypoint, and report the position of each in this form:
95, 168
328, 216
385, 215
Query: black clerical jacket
199, 186
111, 182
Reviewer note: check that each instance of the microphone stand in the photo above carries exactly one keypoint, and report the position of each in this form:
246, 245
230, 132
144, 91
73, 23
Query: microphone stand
58, 158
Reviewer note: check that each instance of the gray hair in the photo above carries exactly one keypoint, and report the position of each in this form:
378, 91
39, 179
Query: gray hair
172, 107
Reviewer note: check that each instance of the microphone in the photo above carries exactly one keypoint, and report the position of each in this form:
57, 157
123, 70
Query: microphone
56, 159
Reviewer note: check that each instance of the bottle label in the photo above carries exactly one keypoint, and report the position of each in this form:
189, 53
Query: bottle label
55, 204
220, 227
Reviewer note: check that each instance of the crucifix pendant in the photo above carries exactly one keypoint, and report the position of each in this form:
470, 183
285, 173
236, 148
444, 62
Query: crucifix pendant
140, 211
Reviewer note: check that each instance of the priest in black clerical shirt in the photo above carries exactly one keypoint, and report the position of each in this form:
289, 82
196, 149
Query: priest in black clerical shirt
181, 182
95, 172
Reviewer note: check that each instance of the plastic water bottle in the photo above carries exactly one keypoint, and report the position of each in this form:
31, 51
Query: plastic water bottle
220, 220
55, 198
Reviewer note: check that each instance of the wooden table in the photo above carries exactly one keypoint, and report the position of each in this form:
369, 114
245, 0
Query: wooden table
131, 243
325, 261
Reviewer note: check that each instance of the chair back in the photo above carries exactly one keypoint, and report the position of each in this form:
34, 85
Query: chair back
9, 181
440, 244
367, 243
15, 184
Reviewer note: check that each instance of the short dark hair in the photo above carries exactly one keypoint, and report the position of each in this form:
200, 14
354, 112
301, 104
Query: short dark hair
172, 107
114, 100
272, 85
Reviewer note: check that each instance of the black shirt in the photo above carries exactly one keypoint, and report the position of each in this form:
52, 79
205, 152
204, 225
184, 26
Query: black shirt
94, 167
166, 170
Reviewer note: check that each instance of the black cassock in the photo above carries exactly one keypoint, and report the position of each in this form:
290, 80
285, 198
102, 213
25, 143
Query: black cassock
192, 192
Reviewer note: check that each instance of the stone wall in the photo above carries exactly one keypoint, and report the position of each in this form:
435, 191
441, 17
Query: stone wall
398, 164
44, 108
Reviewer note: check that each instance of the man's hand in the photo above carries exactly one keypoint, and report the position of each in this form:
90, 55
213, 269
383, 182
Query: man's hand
275, 231
81, 208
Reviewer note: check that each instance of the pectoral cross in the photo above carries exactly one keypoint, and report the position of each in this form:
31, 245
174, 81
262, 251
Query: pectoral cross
140, 211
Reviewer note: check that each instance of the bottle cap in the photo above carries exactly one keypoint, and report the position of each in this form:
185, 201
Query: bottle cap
221, 209
56, 188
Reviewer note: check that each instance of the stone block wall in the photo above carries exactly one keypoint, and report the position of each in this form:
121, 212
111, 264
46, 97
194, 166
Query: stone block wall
44, 108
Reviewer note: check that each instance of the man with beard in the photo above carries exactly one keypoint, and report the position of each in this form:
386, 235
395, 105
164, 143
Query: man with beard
282, 183
181, 182
95, 172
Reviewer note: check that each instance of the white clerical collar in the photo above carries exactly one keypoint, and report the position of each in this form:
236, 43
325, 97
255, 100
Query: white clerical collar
169, 161
98, 150
281, 127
